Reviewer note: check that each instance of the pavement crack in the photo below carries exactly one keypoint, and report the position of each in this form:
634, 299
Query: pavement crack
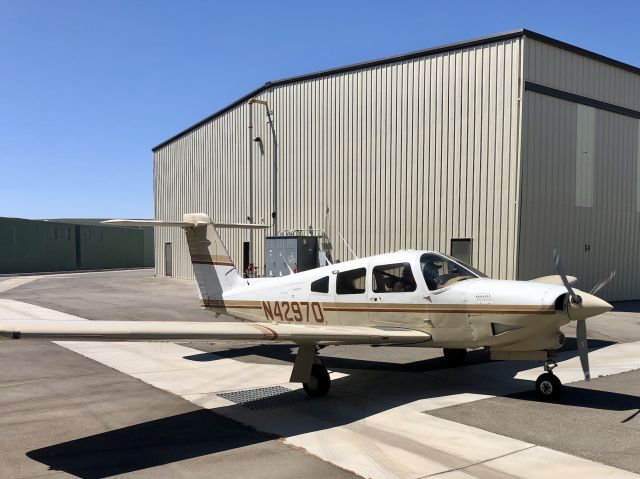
479, 462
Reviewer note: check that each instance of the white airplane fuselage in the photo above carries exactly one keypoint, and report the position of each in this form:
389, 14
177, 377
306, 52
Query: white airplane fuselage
470, 313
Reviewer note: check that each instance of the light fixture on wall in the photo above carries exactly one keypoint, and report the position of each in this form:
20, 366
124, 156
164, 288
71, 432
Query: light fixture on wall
258, 140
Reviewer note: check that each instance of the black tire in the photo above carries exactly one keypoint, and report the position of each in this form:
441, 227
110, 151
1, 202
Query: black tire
319, 382
455, 357
548, 386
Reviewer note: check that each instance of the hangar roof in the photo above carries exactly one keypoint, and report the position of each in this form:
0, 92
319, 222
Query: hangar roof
402, 57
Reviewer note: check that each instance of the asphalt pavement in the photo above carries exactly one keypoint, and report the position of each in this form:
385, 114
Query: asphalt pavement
67, 415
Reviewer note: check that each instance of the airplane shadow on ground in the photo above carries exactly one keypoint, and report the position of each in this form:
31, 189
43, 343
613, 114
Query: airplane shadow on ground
153, 443
370, 388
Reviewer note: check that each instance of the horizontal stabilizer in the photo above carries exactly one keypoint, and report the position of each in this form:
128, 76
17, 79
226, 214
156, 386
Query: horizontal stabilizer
183, 224
178, 224
205, 331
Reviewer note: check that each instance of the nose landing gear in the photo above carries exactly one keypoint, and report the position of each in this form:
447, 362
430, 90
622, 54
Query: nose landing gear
548, 386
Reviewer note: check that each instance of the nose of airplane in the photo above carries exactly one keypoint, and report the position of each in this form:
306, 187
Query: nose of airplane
589, 306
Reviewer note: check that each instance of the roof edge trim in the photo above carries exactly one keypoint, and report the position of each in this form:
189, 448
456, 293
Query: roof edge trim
398, 58
351, 67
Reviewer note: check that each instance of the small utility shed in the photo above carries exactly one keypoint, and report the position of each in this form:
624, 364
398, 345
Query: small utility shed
509, 145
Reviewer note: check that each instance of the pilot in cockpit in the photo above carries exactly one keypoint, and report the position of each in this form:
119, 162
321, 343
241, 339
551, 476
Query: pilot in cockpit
430, 273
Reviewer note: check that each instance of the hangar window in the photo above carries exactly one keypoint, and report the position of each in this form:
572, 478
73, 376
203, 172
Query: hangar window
461, 249
320, 285
393, 278
52, 232
351, 282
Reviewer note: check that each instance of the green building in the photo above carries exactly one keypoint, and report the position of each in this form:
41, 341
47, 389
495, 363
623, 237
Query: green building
68, 245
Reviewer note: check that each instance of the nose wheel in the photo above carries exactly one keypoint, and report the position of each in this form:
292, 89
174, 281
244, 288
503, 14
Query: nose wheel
548, 386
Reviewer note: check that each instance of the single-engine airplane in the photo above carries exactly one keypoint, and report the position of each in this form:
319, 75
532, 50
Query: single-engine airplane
408, 298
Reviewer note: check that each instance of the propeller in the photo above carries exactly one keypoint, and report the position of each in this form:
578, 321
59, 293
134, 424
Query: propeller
583, 347
581, 326
556, 259
602, 283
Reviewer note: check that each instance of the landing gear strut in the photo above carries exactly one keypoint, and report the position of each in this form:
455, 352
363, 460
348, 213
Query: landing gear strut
548, 386
455, 357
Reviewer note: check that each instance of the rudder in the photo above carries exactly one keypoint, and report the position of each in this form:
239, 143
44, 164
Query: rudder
212, 265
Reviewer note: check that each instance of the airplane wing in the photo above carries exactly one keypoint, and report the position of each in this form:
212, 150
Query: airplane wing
82, 330
554, 279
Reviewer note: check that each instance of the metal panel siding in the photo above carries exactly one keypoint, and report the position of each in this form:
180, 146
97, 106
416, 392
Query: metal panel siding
38, 246
585, 150
638, 171
404, 155
549, 217
568, 71
556, 188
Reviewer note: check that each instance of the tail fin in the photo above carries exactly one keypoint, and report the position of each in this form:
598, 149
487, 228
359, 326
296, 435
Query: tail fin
213, 267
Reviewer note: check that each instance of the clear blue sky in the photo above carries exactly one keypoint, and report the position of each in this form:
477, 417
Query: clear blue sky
88, 87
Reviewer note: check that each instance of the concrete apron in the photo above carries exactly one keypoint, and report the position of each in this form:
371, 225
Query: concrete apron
16, 281
372, 423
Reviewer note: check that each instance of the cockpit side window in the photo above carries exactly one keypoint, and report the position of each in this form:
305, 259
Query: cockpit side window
320, 285
393, 278
440, 271
351, 282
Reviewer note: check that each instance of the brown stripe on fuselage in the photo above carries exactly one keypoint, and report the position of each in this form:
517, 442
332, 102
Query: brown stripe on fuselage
440, 308
230, 304
398, 308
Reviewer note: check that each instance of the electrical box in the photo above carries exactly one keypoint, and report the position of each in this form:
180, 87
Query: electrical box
284, 254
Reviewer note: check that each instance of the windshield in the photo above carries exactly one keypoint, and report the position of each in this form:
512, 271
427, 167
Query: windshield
440, 271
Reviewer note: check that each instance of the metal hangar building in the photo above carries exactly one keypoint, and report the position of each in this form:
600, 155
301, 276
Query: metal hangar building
497, 149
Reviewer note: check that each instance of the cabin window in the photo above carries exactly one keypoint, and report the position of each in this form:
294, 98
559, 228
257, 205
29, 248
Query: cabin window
351, 282
393, 278
320, 285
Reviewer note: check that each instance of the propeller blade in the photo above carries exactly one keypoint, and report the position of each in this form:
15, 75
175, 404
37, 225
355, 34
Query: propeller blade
583, 347
556, 259
602, 283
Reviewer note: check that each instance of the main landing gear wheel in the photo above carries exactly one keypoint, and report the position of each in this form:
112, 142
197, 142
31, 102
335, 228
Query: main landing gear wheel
455, 357
319, 382
548, 386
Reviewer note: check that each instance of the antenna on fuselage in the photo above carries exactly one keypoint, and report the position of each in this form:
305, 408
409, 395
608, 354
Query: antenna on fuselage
355, 256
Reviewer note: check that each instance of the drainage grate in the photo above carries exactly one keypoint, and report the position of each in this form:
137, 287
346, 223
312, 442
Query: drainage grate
264, 398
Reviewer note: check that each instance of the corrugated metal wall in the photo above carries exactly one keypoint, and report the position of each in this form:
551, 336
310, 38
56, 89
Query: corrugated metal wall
555, 212
405, 155
579, 74
28, 246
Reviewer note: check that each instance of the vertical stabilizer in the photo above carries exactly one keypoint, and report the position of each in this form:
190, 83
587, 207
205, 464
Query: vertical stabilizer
213, 267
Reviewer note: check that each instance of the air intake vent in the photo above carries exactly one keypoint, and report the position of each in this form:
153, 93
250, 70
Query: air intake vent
559, 304
499, 328
484, 298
